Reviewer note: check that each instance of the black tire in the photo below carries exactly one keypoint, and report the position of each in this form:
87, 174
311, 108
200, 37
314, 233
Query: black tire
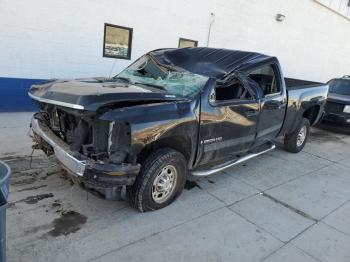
140, 194
291, 140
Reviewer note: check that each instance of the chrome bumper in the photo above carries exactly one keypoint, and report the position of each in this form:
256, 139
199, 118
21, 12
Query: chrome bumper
62, 151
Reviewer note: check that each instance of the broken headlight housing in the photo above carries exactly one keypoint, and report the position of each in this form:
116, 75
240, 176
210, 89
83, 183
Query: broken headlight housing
346, 109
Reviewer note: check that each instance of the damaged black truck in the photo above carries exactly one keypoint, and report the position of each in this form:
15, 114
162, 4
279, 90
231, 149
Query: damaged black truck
171, 113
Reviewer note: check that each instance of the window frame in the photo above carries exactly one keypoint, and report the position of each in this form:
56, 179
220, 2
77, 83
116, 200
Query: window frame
130, 30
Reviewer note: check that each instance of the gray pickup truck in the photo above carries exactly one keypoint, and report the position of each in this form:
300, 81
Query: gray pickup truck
171, 113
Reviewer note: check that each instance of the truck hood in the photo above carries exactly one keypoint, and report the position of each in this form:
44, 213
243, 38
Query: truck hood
90, 94
338, 98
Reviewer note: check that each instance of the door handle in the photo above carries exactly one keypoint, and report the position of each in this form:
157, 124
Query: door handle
251, 112
275, 105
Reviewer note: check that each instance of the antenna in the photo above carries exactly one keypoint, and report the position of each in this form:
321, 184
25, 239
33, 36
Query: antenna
211, 24
110, 72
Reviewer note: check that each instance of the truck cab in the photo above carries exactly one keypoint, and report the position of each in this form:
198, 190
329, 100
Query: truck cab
242, 114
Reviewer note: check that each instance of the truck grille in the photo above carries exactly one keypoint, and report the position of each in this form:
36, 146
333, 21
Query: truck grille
332, 107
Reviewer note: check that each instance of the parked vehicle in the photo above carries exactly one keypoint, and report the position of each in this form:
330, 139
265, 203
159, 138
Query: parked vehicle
171, 113
338, 102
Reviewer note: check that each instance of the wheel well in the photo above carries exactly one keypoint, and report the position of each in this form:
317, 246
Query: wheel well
312, 113
178, 143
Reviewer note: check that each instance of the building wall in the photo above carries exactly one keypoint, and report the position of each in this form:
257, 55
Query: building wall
340, 6
41, 39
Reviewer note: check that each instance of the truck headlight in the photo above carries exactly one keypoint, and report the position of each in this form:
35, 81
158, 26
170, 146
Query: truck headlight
346, 109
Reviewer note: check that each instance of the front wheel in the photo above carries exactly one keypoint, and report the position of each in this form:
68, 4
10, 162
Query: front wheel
160, 181
295, 142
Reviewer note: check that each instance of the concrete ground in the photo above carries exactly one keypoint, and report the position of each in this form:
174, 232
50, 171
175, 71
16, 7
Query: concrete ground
277, 207
14, 130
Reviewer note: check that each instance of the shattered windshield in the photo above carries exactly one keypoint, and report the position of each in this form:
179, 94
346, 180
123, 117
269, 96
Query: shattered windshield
175, 82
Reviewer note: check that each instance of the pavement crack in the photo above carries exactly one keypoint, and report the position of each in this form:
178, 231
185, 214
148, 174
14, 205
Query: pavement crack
295, 210
295, 178
320, 157
336, 229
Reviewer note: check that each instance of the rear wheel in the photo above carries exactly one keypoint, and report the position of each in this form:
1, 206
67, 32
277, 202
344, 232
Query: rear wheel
295, 142
160, 181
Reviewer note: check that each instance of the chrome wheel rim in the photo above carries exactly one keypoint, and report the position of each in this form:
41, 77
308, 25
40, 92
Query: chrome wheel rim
164, 184
301, 136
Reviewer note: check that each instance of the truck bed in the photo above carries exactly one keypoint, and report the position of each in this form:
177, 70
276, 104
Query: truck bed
301, 96
293, 84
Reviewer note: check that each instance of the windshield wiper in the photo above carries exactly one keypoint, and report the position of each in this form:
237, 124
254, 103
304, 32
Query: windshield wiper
151, 85
124, 79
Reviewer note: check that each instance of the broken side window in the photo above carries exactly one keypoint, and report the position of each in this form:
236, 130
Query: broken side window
234, 91
265, 77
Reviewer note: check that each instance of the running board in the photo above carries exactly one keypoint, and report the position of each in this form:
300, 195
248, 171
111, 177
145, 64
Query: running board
229, 164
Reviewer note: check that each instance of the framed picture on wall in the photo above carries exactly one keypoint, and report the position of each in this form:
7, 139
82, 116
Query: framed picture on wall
183, 42
117, 41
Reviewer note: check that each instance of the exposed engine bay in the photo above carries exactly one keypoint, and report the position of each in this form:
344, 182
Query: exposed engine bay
85, 133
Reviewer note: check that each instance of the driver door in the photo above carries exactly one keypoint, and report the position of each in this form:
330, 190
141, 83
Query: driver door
228, 122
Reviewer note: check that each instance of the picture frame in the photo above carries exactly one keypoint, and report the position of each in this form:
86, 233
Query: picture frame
117, 41
184, 42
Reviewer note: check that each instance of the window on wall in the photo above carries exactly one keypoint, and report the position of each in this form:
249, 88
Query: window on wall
183, 42
340, 6
117, 41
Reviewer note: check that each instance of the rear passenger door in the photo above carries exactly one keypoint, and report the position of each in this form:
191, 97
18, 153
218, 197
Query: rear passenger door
273, 102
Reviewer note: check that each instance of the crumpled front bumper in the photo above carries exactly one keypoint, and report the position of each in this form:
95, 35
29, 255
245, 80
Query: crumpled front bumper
102, 177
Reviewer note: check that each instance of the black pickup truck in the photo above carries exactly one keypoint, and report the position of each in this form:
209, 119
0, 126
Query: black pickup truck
172, 113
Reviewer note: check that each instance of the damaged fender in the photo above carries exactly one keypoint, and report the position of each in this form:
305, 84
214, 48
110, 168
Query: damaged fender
172, 123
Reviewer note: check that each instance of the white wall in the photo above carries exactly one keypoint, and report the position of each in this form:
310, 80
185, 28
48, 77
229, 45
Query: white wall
54, 39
